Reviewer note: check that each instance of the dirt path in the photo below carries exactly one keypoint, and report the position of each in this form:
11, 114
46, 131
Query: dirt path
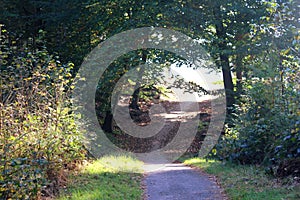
180, 182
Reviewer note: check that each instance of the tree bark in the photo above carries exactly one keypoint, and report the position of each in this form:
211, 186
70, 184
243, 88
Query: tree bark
135, 99
224, 58
135, 95
228, 83
107, 125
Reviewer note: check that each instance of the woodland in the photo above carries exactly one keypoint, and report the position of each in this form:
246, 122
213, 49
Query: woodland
254, 43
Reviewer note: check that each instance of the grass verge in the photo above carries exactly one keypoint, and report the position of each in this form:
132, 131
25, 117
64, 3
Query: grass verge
113, 177
247, 182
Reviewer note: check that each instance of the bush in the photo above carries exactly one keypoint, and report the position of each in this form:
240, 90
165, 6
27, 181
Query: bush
38, 134
267, 127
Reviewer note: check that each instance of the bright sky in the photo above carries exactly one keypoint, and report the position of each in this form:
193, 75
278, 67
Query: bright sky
201, 76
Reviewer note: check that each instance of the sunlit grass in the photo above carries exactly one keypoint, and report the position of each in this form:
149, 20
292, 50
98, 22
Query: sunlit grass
115, 164
113, 177
246, 182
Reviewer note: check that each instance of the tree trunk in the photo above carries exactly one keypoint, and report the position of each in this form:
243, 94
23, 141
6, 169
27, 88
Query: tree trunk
227, 78
135, 99
228, 83
107, 125
135, 95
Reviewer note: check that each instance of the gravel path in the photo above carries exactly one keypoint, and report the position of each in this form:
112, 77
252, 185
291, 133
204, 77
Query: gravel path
180, 182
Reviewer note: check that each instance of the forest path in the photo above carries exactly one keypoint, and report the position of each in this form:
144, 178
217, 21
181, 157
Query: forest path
163, 179
180, 182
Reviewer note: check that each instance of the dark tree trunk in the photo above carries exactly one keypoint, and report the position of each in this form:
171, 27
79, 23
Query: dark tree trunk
228, 83
107, 125
135, 100
135, 95
224, 59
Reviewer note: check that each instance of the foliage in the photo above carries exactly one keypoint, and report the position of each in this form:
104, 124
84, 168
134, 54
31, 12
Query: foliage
78, 26
267, 121
263, 131
38, 133
141, 69
63, 21
256, 41
266, 126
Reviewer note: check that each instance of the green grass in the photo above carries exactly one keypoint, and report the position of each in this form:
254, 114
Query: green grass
113, 177
246, 182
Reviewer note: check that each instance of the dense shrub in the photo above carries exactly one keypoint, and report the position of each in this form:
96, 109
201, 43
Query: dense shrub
38, 134
267, 127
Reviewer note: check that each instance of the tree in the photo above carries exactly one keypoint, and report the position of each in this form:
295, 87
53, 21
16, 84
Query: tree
252, 41
267, 120
223, 26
